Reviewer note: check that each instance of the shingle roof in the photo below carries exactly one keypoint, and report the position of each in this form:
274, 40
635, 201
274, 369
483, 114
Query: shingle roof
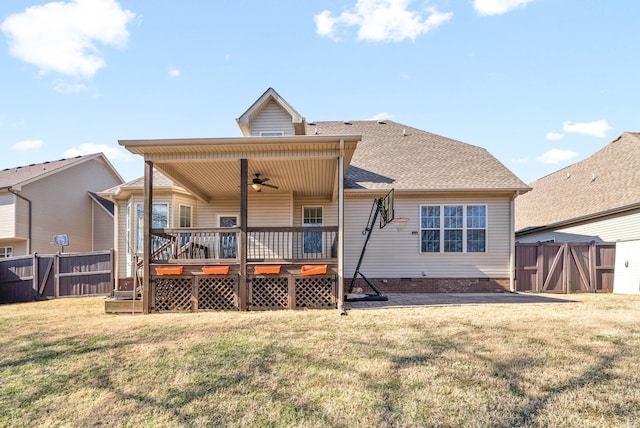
159, 180
608, 180
22, 174
392, 155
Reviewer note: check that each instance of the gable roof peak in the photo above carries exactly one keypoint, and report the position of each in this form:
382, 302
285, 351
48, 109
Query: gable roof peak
268, 96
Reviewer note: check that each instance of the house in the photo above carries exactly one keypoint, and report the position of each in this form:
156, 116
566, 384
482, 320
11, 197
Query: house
238, 222
596, 199
57, 199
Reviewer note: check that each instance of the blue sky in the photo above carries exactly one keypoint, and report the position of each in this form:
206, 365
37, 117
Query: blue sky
541, 84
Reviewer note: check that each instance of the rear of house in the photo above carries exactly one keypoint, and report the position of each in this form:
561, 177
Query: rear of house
291, 193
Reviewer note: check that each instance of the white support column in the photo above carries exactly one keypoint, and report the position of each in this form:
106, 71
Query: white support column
341, 229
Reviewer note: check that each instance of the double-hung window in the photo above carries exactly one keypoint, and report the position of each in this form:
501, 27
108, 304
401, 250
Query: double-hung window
159, 219
6, 252
312, 241
453, 228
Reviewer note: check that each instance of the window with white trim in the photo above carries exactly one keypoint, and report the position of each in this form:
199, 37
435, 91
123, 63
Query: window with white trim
6, 252
185, 216
312, 241
453, 228
159, 219
272, 134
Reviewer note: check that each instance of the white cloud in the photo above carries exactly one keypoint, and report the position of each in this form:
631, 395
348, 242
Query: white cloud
60, 36
556, 155
381, 116
174, 72
497, 7
598, 128
27, 145
554, 136
381, 21
89, 148
69, 88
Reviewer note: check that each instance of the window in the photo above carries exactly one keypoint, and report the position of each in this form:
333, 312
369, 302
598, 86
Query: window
272, 134
312, 241
453, 228
159, 219
6, 252
185, 216
228, 241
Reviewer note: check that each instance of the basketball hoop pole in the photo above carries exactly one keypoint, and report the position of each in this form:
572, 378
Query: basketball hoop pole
377, 208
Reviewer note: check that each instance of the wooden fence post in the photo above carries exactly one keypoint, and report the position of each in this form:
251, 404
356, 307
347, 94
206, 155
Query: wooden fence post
56, 275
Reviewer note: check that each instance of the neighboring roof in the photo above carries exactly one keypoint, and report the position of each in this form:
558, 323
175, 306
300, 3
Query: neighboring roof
21, 175
159, 181
392, 155
270, 94
105, 203
606, 182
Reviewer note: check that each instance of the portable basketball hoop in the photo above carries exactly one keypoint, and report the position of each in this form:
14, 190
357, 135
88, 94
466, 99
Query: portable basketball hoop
383, 208
400, 223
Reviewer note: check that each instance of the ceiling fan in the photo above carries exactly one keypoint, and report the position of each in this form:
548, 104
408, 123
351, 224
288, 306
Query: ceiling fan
258, 183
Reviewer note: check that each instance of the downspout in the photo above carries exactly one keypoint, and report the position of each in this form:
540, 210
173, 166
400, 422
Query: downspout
512, 243
10, 190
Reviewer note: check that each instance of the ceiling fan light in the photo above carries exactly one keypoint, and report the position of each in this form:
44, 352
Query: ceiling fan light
257, 187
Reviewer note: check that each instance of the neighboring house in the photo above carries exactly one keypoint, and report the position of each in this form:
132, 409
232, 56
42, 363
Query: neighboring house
211, 207
596, 199
39, 201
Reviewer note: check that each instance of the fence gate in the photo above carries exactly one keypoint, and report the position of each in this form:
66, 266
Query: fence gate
565, 267
37, 277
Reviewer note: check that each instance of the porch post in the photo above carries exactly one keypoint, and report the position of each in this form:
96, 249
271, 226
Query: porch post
242, 286
341, 229
146, 258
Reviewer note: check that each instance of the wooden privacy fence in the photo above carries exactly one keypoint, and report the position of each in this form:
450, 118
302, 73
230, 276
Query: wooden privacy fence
565, 267
40, 276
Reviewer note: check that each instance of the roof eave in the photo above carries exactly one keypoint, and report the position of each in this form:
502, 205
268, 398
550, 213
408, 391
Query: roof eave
534, 229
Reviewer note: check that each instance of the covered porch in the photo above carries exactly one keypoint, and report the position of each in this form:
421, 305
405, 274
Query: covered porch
264, 261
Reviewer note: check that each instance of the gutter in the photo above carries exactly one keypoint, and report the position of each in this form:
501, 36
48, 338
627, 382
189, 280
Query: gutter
13, 192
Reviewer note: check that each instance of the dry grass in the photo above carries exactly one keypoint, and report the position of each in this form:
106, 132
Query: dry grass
66, 363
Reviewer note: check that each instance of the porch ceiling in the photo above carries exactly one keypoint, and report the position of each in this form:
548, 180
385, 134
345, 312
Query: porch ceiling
210, 168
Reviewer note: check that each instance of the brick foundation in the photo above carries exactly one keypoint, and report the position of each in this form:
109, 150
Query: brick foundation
434, 285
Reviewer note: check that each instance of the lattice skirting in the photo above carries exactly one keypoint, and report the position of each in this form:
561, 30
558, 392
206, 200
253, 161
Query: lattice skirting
190, 294
217, 293
293, 292
315, 292
220, 292
269, 292
172, 294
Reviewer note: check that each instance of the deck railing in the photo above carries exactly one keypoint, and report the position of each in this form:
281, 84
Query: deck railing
263, 243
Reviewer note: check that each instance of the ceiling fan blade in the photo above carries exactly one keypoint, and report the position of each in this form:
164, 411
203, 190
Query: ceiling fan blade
270, 185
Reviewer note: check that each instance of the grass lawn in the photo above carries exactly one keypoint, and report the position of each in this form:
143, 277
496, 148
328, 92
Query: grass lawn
573, 363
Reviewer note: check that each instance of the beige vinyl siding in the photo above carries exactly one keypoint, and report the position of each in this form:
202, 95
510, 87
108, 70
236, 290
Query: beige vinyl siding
61, 204
396, 254
7, 216
184, 200
329, 210
621, 227
272, 118
269, 209
122, 266
102, 228
19, 246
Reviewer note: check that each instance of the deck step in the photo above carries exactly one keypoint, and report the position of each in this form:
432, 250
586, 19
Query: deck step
124, 295
113, 306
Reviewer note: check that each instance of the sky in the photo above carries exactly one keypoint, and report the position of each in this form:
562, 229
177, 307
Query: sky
541, 84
